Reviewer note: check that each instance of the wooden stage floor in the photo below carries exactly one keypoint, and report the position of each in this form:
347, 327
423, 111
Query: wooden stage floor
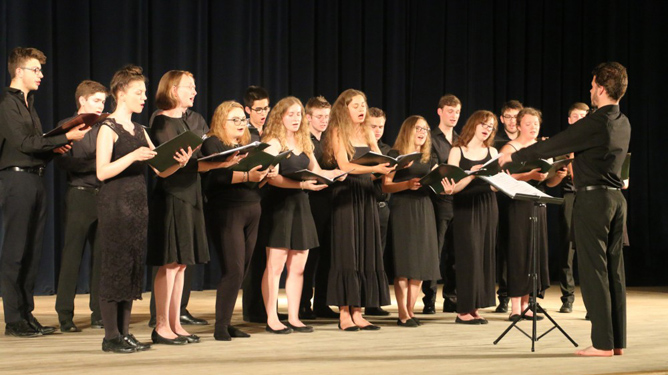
439, 346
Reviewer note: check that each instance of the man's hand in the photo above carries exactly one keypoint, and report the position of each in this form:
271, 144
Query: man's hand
62, 149
76, 133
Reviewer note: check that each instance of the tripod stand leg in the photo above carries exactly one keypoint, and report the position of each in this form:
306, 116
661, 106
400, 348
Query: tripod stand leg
554, 322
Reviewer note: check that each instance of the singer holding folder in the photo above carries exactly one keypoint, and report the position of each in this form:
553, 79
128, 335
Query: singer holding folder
123, 147
232, 212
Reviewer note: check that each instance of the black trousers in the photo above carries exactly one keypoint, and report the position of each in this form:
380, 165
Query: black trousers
318, 263
598, 221
23, 201
80, 227
566, 249
234, 234
502, 246
253, 302
446, 256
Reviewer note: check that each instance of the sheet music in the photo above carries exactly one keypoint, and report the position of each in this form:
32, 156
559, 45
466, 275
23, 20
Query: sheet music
511, 187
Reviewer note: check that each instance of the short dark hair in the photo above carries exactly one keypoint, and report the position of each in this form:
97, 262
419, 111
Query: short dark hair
613, 78
316, 102
254, 93
578, 106
87, 88
19, 55
449, 100
511, 104
377, 112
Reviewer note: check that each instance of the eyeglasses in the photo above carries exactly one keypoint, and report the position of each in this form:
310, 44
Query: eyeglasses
488, 126
238, 121
35, 70
261, 109
420, 129
192, 87
510, 117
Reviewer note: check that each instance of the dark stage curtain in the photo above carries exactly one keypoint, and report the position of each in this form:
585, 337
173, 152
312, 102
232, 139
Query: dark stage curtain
403, 54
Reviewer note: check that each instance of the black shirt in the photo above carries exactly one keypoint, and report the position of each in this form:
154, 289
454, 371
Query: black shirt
79, 162
22, 143
255, 134
317, 148
600, 142
440, 147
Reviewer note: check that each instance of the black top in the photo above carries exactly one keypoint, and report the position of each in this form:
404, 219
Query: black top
255, 134
218, 187
501, 135
440, 147
21, 137
476, 186
317, 148
378, 183
600, 142
79, 162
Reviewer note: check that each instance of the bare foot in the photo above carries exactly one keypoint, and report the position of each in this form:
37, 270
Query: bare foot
593, 352
618, 351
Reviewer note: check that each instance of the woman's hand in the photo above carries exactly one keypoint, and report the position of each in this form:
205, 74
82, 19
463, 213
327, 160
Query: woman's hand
231, 160
182, 156
273, 172
448, 186
561, 173
476, 167
311, 185
256, 175
143, 153
535, 174
414, 184
383, 168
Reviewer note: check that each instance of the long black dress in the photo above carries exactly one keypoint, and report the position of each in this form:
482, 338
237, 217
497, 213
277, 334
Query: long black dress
357, 276
413, 221
123, 221
292, 225
177, 232
475, 224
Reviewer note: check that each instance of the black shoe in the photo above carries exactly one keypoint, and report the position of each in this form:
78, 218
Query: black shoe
429, 309
151, 322
375, 311
45, 330
409, 323
587, 316
482, 320
236, 332
503, 306
515, 318
449, 306
96, 323
370, 327
304, 329
325, 312
471, 322
68, 327
157, 339
283, 331
192, 339
538, 317
187, 319
349, 329
117, 345
566, 307
416, 320
21, 329
306, 313
139, 346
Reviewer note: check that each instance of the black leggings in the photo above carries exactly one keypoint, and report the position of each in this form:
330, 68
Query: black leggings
234, 232
115, 317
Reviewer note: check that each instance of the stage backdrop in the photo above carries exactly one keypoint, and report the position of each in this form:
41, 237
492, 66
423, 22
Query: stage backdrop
403, 54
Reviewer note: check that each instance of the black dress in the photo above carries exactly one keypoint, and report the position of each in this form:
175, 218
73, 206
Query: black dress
123, 221
475, 225
413, 221
292, 225
177, 231
357, 276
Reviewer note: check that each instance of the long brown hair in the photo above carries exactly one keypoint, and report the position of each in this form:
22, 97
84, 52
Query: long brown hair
406, 140
341, 124
219, 121
164, 96
274, 128
477, 118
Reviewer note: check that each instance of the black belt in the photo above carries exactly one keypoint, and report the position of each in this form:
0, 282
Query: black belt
34, 170
87, 189
598, 187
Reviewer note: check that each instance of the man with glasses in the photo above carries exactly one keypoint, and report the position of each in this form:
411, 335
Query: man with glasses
24, 152
442, 138
508, 118
256, 101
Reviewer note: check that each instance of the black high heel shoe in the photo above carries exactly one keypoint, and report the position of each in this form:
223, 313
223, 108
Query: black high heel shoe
157, 339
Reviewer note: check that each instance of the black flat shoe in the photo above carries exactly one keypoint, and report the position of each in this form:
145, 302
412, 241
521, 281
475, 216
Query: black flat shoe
538, 317
429, 309
515, 318
236, 332
96, 323
349, 329
139, 346
117, 345
157, 339
21, 329
192, 339
370, 327
449, 306
69, 327
482, 320
416, 320
469, 322
502, 307
304, 329
409, 323
283, 331
375, 311
44, 330
187, 319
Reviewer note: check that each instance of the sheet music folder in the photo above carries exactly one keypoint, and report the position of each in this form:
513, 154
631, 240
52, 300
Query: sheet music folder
89, 119
165, 157
519, 190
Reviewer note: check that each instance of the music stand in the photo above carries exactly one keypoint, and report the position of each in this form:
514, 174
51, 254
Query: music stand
521, 190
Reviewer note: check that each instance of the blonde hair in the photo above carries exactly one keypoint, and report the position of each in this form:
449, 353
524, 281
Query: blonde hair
342, 125
406, 141
219, 121
274, 129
